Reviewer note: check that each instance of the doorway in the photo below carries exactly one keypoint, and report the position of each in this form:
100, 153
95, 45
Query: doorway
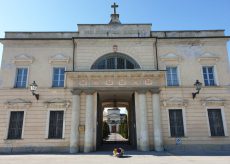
116, 124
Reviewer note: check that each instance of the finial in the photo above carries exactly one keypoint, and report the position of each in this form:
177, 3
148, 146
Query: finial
114, 6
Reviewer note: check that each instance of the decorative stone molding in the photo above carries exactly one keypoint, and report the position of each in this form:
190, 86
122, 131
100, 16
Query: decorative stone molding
155, 90
23, 59
76, 92
213, 101
17, 103
57, 103
175, 102
170, 57
208, 57
59, 58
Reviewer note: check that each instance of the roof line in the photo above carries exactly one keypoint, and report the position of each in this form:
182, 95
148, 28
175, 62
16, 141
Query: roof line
209, 37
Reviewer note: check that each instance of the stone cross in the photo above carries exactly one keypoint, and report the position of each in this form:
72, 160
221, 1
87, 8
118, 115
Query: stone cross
114, 6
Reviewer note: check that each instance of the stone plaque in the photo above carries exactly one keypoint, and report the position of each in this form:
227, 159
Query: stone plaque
81, 128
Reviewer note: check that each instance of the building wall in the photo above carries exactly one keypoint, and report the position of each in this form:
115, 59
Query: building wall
189, 55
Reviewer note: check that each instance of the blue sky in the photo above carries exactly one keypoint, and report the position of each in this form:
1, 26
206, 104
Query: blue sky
64, 15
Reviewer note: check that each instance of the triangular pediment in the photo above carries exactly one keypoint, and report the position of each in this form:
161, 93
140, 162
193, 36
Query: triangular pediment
213, 101
59, 58
23, 58
57, 103
175, 101
18, 103
170, 57
207, 56
17, 100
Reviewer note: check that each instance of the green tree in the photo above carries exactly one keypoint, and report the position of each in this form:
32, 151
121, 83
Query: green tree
123, 130
106, 131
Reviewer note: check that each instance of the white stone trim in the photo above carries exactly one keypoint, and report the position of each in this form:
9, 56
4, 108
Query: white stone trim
184, 120
59, 59
8, 122
208, 57
23, 59
175, 102
48, 120
170, 57
223, 120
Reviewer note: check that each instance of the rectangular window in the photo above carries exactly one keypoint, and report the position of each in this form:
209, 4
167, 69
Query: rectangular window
56, 124
176, 122
208, 74
58, 77
15, 125
215, 122
21, 77
172, 77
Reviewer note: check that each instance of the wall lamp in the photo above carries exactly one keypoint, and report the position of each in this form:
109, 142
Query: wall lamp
33, 88
198, 86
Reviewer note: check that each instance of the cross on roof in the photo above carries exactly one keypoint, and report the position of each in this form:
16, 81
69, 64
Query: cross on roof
114, 6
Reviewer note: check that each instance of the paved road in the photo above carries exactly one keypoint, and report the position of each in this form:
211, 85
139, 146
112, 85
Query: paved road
116, 137
132, 157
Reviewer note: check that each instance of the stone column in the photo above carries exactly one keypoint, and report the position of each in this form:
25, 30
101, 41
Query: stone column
74, 136
144, 135
89, 122
158, 139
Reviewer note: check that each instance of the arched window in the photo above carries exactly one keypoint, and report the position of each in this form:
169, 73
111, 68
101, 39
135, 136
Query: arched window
115, 61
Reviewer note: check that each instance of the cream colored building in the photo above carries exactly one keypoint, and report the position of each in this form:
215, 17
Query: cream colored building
152, 74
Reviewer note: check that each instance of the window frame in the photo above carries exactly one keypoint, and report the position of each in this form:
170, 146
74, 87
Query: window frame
115, 56
48, 121
216, 82
16, 75
52, 76
221, 108
184, 121
8, 123
178, 76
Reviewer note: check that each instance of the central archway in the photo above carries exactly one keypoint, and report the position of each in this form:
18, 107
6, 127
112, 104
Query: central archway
115, 61
115, 101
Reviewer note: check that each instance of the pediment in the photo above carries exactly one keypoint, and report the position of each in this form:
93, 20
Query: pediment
59, 58
213, 101
23, 58
57, 103
175, 102
18, 103
207, 56
170, 57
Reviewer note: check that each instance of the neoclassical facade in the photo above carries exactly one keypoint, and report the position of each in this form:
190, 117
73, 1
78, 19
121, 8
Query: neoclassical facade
152, 74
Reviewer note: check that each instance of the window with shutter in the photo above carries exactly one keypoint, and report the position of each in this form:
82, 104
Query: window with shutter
176, 122
215, 122
56, 124
15, 125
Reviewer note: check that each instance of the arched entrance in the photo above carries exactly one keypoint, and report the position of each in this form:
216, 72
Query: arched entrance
116, 120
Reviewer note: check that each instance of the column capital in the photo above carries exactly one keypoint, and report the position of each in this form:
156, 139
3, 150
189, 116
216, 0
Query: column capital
89, 91
76, 91
142, 90
155, 90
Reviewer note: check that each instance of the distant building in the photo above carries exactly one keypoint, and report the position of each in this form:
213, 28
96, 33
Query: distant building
114, 119
152, 74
